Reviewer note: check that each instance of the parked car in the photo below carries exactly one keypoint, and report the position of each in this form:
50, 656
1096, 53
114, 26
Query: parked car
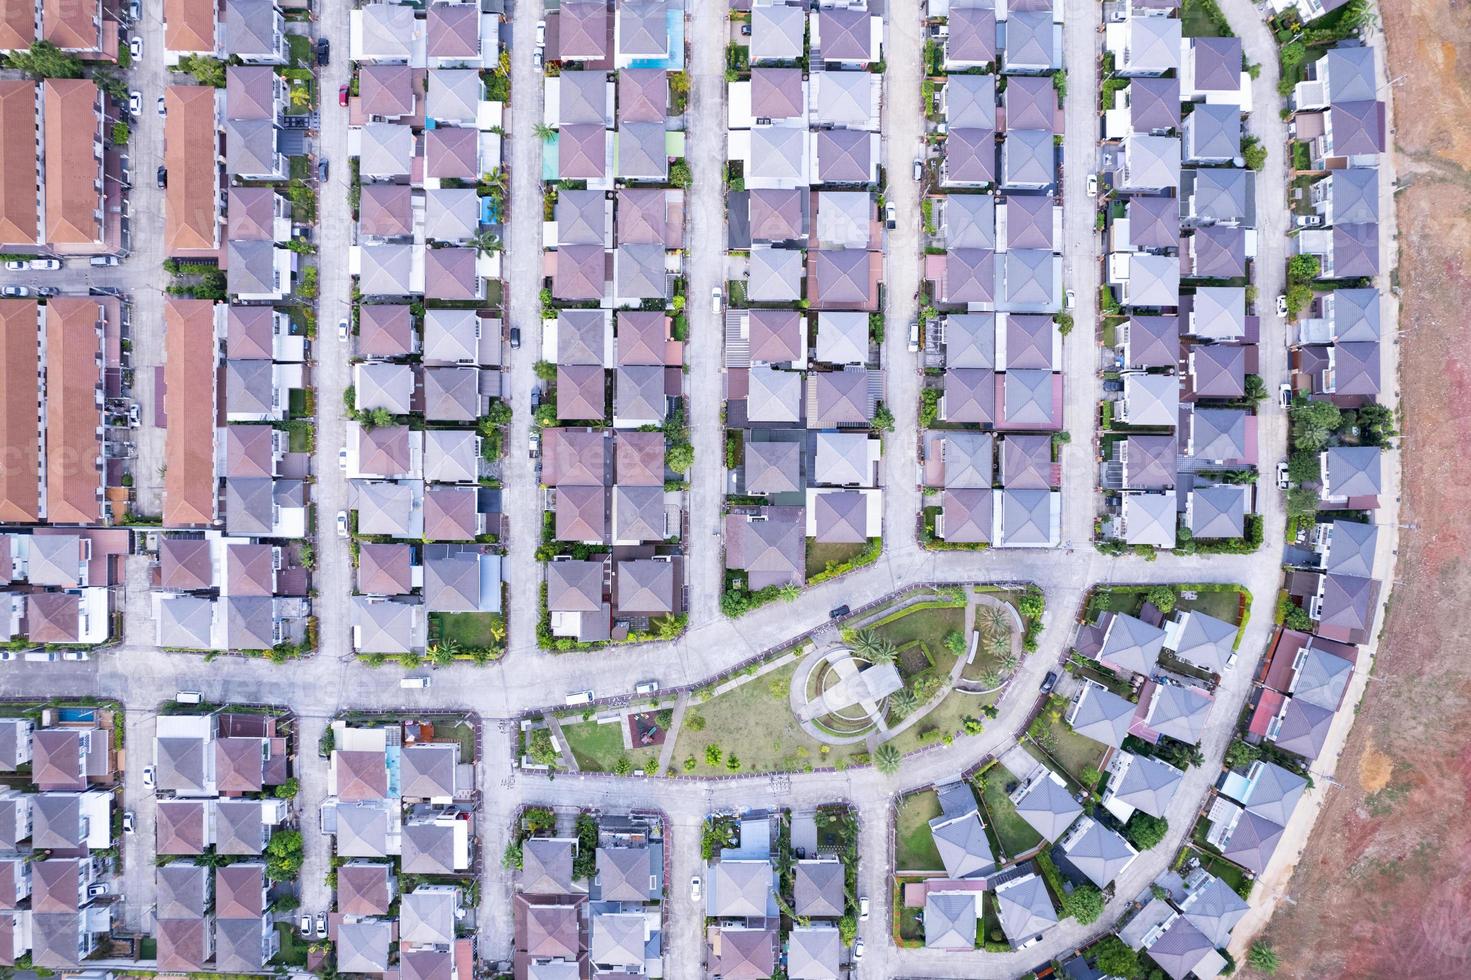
321, 925
342, 330
305, 925
162, 109
104, 260
715, 299
531, 447
890, 216
324, 51
413, 683
695, 888
342, 459
1070, 298
1307, 221
15, 265
537, 59
93, 891
581, 697
135, 47
918, 169
1113, 384
342, 523
914, 335
1092, 185
541, 33
162, 177
342, 91
135, 11
839, 612
1283, 482
858, 949
1284, 395
863, 909
148, 777
135, 104
127, 821
646, 687
16, 291
1281, 304
45, 265
322, 170
515, 338
1049, 682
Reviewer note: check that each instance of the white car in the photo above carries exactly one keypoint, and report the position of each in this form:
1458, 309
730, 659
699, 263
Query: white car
15, 265
342, 330
342, 523
541, 33
537, 60
1284, 395
342, 459
161, 109
75, 655
135, 104
891, 216
695, 888
148, 776
305, 924
858, 949
135, 47
1281, 304
715, 298
1092, 185
127, 821
1071, 298
15, 291
45, 265
1282, 481
919, 170
863, 909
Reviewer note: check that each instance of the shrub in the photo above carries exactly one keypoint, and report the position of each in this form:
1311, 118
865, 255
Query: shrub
1145, 831
1163, 598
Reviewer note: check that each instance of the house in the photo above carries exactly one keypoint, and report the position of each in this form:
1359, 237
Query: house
1202, 641
959, 835
1130, 645
1101, 715
1043, 800
1095, 852
1025, 909
950, 919
1350, 477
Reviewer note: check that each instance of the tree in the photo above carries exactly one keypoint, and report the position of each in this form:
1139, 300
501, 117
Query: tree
486, 242
545, 133
1313, 423
680, 457
623, 766
300, 96
713, 755
206, 70
511, 857
284, 855
1145, 831
883, 419
1256, 388
45, 60
1303, 269
1084, 903
903, 702
498, 414
1113, 957
443, 653
1032, 603
873, 647
1254, 153
1376, 424
1262, 957
886, 759
1241, 754
288, 789
667, 627
1163, 598
545, 371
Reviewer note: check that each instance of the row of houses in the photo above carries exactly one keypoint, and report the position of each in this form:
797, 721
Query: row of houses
425, 438
614, 438
401, 801
1180, 330
803, 374
58, 827
992, 231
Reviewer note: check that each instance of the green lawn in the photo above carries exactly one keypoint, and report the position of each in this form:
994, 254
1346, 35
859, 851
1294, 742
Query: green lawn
293, 948
1015, 835
819, 555
755, 722
471, 630
462, 733
299, 47
947, 716
296, 403
598, 747
927, 626
915, 845
1070, 750
1202, 18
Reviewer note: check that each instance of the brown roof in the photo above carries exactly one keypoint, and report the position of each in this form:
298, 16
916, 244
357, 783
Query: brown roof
361, 775
68, 24
450, 151
20, 495
17, 24
56, 761
250, 92
54, 885
72, 124
239, 765
385, 330
189, 494
386, 90
182, 944
450, 513
189, 25
238, 891
72, 443
249, 330
51, 617
191, 151
18, 216
386, 211
777, 93
180, 827
362, 888
249, 451
638, 458
251, 216
249, 569
453, 30
184, 564
383, 569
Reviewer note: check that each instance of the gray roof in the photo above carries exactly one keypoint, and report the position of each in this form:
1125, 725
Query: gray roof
428, 848
778, 156
1218, 511
1028, 517
839, 398
840, 516
1349, 72
1205, 641
1218, 251
771, 550
451, 394
239, 944
972, 37
1131, 644
773, 466
969, 220
1212, 133
969, 514
449, 335
1149, 519
1221, 194
1353, 471
845, 156
1273, 791
1182, 951
1219, 313
1304, 728
185, 621
238, 826
1031, 103
389, 32
250, 147
1031, 277
427, 770
1030, 42
57, 821
950, 920
252, 269
970, 276
1355, 368
844, 218
393, 509
638, 393
1219, 434
1026, 463
1321, 678
1048, 807
814, 953
387, 149
181, 763
386, 627
642, 28
1179, 712
1025, 908
583, 98
844, 98
970, 156
818, 889
776, 32
1029, 342
1027, 158
638, 514
1253, 841
1101, 715
618, 939
639, 272
741, 888
1217, 63
1154, 103
1151, 399
842, 337
183, 890
1154, 222
1150, 163
775, 275
1353, 196
968, 459
970, 101
1097, 852
574, 586
387, 269
1357, 127
962, 844
1151, 341
1355, 251
1352, 548
452, 579
581, 218
841, 459
427, 916
55, 560
384, 384
639, 151
1153, 45
362, 946
624, 872
1150, 462
1214, 908
970, 340
1154, 280
250, 622
1028, 399
454, 93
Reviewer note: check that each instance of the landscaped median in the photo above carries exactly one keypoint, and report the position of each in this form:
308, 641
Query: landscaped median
920, 668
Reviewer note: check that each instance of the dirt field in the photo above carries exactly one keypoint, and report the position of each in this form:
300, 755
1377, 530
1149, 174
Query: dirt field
1384, 888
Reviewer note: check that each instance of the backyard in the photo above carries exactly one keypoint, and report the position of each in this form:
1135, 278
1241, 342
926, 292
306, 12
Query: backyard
1014, 834
1051, 740
914, 844
819, 556
468, 630
1224, 602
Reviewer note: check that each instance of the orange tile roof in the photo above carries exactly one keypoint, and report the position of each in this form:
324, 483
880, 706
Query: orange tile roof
68, 24
20, 495
190, 354
191, 152
74, 166
17, 23
18, 221
189, 25
72, 417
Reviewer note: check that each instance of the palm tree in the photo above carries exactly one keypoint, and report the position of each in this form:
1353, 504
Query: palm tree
995, 619
545, 133
486, 241
1006, 664
667, 627
874, 648
886, 759
903, 702
998, 643
991, 679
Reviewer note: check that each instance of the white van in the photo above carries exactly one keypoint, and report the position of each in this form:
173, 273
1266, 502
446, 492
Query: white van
581, 697
189, 697
418, 683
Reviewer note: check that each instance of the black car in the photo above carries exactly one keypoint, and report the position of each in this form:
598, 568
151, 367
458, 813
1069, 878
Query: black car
1049, 682
162, 177
324, 50
515, 338
839, 612
322, 170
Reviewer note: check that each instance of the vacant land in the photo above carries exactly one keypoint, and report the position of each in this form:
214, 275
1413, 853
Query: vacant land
1395, 834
